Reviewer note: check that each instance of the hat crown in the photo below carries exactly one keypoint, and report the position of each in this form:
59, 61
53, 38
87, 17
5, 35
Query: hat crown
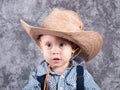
63, 21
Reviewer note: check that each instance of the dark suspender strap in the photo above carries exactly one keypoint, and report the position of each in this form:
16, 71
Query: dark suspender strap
41, 79
80, 78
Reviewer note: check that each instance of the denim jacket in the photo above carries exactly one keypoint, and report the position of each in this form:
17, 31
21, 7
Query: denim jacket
65, 81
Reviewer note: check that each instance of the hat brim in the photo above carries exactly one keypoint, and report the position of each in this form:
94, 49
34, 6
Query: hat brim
90, 42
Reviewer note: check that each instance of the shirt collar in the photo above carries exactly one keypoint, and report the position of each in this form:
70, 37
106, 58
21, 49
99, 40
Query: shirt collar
42, 68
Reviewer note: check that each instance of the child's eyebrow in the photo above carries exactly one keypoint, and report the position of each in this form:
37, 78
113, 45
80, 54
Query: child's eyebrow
64, 40
48, 42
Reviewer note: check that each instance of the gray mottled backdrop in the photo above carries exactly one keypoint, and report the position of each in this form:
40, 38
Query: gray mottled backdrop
19, 55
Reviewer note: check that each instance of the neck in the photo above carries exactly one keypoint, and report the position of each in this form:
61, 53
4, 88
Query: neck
62, 69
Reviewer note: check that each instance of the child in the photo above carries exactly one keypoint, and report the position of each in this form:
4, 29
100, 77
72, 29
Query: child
61, 38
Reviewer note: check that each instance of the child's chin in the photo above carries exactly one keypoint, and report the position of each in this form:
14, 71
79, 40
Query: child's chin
56, 65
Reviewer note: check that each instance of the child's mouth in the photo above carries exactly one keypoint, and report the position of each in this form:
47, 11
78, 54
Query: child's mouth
56, 60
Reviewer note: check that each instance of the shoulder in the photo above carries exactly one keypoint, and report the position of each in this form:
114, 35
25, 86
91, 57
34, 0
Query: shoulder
89, 82
87, 75
32, 84
41, 68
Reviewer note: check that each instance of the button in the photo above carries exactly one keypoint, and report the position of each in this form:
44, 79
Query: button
62, 76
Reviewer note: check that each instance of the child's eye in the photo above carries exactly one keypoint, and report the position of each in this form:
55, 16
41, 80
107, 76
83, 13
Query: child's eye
49, 45
62, 44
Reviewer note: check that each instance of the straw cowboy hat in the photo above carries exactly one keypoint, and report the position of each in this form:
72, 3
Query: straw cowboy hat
68, 25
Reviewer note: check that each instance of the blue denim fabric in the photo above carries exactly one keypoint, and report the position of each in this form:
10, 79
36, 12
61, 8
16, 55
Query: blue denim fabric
65, 81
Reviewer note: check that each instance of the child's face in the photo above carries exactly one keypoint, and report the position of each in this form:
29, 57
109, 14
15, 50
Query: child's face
56, 51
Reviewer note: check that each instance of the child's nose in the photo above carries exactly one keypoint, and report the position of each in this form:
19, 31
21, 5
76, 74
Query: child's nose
55, 50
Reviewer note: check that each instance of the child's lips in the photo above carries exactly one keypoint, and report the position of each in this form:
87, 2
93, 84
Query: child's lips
56, 60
